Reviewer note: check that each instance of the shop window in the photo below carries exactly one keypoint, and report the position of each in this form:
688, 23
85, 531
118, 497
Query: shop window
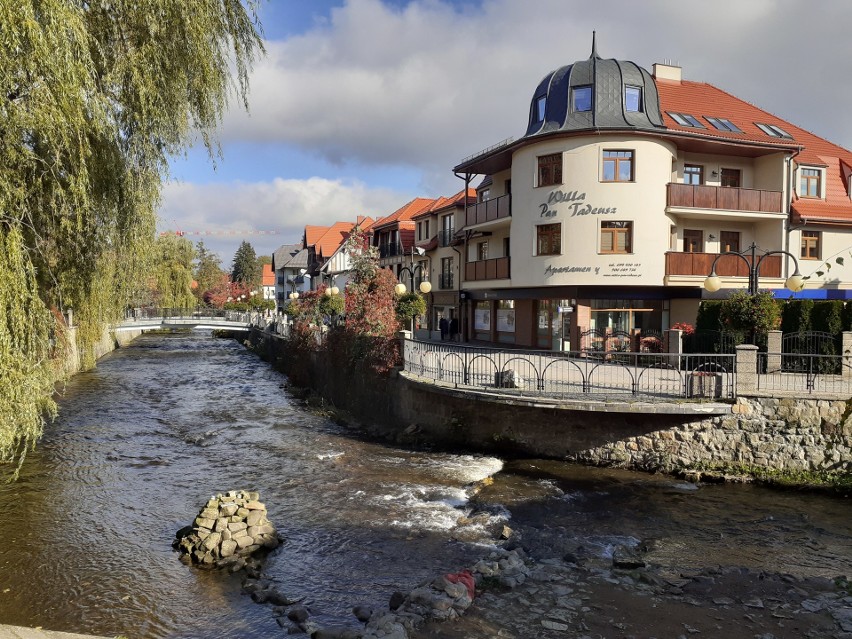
693, 174
810, 183
616, 237
550, 169
618, 166
693, 241
505, 320
625, 315
811, 241
482, 320
549, 239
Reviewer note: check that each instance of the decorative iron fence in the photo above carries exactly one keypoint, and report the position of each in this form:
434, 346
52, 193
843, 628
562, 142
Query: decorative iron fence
798, 347
570, 374
709, 341
804, 372
600, 340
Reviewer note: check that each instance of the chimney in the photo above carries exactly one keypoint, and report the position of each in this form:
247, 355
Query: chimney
666, 71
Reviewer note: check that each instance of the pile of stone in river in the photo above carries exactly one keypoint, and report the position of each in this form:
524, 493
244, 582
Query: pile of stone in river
230, 528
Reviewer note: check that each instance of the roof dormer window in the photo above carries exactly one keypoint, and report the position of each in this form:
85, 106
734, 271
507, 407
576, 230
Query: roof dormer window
581, 98
633, 99
540, 104
684, 119
810, 183
773, 130
723, 124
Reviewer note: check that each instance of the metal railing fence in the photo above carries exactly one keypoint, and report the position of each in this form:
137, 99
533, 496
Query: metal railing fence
571, 374
804, 373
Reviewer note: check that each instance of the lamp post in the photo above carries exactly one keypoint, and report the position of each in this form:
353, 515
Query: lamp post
794, 283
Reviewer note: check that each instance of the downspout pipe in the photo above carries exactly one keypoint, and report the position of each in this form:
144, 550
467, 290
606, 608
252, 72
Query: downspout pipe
791, 183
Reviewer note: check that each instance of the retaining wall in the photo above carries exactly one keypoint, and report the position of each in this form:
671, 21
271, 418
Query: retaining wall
763, 433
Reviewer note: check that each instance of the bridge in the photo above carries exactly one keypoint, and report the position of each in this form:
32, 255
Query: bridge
146, 319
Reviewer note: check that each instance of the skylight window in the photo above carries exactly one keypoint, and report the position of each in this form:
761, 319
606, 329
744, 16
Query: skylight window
723, 124
773, 130
632, 99
684, 119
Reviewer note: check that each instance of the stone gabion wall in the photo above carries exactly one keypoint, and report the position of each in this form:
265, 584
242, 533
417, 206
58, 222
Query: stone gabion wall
773, 434
228, 529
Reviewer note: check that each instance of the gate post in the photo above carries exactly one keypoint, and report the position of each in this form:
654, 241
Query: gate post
746, 368
773, 351
846, 352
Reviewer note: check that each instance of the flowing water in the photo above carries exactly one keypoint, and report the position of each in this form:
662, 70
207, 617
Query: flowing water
143, 440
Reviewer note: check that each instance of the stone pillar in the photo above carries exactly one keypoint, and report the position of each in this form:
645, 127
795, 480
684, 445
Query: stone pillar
746, 367
846, 350
773, 351
673, 341
403, 337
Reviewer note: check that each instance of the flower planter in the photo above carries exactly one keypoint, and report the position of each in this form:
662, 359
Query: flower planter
704, 385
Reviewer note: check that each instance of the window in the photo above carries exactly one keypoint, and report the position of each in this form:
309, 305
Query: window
618, 166
550, 169
446, 279
423, 230
811, 245
730, 241
482, 251
693, 174
731, 178
505, 247
810, 183
616, 237
445, 237
632, 99
549, 239
773, 130
723, 124
540, 104
484, 194
693, 241
581, 98
684, 119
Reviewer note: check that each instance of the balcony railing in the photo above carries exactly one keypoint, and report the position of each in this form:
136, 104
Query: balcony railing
445, 236
727, 266
391, 250
495, 269
723, 198
490, 210
445, 281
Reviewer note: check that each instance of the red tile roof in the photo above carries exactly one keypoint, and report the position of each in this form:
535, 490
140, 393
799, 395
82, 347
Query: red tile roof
702, 100
405, 213
443, 203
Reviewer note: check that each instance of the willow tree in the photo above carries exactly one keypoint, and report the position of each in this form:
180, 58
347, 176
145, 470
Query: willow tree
172, 272
95, 96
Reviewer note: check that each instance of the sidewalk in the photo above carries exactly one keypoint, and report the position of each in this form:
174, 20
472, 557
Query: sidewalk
17, 632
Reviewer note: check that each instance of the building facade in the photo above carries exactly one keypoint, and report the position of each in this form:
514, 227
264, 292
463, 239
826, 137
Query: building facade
612, 209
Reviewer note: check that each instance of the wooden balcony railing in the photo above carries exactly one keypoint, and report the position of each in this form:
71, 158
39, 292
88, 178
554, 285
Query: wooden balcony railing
723, 197
490, 210
495, 269
727, 266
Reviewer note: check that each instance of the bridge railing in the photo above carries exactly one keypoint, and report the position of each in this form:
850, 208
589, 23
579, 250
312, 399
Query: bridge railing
197, 313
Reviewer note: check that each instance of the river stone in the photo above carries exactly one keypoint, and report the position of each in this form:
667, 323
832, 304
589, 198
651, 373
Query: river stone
209, 513
298, 614
228, 548
212, 541
236, 534
227, 535
221, 524
229, 509
255, 505
203, 522
255, 517
242, 513
243, 542
237, 525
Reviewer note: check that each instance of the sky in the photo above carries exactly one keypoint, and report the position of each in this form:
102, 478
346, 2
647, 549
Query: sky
359, 106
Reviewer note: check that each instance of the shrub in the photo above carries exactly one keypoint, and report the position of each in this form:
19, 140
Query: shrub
409, 305
827, 316
758, 313
796, 316
708, 316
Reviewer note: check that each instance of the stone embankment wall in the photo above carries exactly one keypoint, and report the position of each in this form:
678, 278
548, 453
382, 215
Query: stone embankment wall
788, 435
71, 359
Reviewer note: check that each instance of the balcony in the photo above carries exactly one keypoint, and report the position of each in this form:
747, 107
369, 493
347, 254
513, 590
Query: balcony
728, 265
723, 198
391, 250
495, 269
488, 211
445, 281
445, 236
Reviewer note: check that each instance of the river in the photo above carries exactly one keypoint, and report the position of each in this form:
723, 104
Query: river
143, 440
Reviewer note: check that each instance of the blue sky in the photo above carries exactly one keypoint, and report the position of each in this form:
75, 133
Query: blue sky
361, 105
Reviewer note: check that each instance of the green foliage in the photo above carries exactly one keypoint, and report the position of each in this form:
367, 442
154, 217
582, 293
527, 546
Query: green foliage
409, 305
708, 316
94, 97
827, 316
172, 272
207, 271
796, 316
846, 316
245, 268
758, 313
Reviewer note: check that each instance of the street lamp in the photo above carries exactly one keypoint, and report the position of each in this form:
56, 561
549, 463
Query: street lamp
794, 283
425, 285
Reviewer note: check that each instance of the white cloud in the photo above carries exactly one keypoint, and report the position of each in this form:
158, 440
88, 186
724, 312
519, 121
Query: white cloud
430, 84
224, 214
